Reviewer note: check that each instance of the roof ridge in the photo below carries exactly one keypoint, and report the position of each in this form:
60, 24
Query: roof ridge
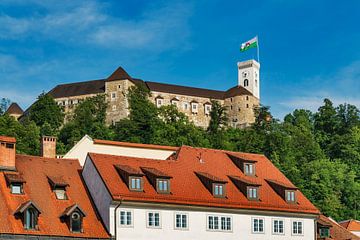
199, 88
73, 83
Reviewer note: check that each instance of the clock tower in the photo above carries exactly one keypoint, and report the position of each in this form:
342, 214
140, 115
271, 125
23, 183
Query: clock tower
249, 76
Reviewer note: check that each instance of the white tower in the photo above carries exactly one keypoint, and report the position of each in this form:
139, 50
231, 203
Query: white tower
249, 76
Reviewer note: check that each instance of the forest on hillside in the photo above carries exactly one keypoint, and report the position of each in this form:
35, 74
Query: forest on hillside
318, 151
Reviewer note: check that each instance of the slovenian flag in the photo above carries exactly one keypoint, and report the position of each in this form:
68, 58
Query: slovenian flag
252, 43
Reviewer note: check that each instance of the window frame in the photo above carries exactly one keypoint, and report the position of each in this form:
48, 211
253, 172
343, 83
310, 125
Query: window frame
141, 184
292, 228
286, 196
253, 228
219, 223
253, 173
80, 219
223, 187
148, 218
248, 193
55, 189
194, 107
113, 98
273, 226
34, 219
327, 231
181, 220
158, 180
246, 82
21, 185
159, 102
126, 211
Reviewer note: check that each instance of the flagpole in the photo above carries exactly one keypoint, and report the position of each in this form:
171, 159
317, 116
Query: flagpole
257, 47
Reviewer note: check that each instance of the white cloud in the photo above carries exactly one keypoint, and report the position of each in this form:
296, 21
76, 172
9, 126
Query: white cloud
157, 28
342, 86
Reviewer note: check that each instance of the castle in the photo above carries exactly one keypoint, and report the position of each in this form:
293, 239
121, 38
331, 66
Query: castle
195, 103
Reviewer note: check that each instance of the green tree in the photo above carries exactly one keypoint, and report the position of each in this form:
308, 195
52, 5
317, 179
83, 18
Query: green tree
89, 118
45, 112
4, 104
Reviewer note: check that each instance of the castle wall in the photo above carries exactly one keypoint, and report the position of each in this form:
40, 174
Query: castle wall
241, 110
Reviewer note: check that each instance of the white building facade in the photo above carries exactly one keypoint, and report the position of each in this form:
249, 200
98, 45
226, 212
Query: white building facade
136, 219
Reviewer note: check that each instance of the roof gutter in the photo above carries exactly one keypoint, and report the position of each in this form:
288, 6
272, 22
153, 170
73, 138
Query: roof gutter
115, 217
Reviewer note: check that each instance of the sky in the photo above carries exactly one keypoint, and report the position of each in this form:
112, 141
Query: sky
309, 50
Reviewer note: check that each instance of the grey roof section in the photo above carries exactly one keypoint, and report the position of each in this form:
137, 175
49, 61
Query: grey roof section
78, 88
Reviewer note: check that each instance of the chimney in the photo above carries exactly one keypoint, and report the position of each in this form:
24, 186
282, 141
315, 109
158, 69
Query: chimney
48, 147
7, 153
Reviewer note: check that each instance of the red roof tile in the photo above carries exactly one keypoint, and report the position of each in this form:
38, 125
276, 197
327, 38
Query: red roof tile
129, 170
282, 184
337, 232
212, 178
251, 181
186, 187
37, 191
351, 225
7, 139
155, 172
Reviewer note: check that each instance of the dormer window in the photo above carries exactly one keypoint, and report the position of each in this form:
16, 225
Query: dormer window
250, 187
286, 190
218, 190
73, 216
246, 165
174, 101
30, 214
194, 106
207, 108
132, 177
58, 186
290, 196
249, 169
158, 179
163, 185
15, 181
135, 183
215, 185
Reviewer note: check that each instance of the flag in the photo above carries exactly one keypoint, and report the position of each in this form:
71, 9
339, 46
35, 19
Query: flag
252, 43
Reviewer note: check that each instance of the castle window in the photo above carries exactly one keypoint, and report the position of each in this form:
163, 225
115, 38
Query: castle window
207, 108
159, 101
119, 86
247, 105
114, 107
194, 107
247, 97
231, 107
186, 106
246, 83
231, 99
113, 96
256, 82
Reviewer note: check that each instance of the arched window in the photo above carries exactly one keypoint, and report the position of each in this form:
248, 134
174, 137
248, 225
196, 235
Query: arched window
76, 222
30, 220
246, 82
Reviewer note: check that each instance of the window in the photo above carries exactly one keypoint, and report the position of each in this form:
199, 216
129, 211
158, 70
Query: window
249, 169
324, 232
114, 107
246, 82
159, 102
252, 193
60, 193
16, 188
30, 219
125, 218
256, 82
207, 109
119, 86
181, 221
290, 196
136, 183
76, 222
297, 228
258, 225
186, 106
247, 105
113, 96
247, 97
219, 223
163, 186
174, 102
278, 226
218, 190
10, 145
153, 220
194, 107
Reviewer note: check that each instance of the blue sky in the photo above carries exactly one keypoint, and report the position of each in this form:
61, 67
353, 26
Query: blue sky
308, 50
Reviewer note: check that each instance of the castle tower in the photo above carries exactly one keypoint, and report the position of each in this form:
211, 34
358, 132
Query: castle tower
249, 76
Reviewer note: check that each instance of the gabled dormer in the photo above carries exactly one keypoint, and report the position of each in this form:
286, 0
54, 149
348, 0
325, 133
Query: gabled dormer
246, 165
159, 101
215, 185
158, 179
15, 182
58, 186
288, 192
132, 177
73, 216
249, 188
29, 214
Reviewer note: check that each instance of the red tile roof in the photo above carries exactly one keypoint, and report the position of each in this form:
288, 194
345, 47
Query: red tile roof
337, 232
135, 145
129, 170
186, 187
7, 139
251, 181
351, 225
211, 177
38, 192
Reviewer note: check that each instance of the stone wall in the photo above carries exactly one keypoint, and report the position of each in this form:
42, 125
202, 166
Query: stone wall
241, 110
